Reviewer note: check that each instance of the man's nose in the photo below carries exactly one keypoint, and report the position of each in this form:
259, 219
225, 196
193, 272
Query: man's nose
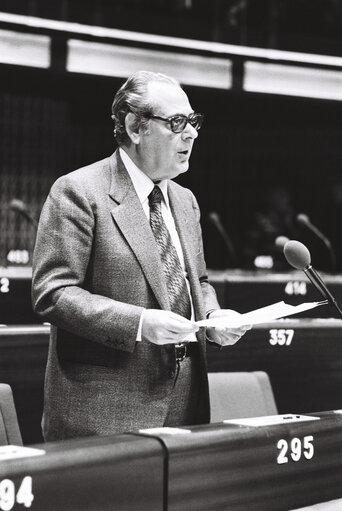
189, 132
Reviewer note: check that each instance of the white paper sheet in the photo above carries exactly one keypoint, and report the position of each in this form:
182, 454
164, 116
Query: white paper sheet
8, 452
258, 316
272, 420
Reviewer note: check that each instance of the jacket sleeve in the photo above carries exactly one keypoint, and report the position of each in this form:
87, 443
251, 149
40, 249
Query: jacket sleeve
60, 261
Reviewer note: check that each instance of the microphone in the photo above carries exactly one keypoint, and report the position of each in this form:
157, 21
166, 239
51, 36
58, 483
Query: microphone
215, 218
20, 207
298, 256
304, 220
280, 242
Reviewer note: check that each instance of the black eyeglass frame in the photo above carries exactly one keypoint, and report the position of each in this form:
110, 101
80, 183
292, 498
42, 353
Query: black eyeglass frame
194, 119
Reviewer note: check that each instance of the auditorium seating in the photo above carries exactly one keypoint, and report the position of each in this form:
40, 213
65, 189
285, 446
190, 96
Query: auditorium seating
9, 427
240, 394
301, 357
236, 289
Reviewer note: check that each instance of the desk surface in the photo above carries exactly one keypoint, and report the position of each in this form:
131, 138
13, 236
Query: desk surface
268, 276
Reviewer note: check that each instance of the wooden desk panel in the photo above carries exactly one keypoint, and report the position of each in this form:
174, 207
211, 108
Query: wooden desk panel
267, 468
15, 297
121, 472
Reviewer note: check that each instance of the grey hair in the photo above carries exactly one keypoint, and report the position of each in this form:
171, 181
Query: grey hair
132, 97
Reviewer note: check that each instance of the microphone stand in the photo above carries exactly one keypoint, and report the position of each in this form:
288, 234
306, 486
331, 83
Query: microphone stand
304, 220
321, 287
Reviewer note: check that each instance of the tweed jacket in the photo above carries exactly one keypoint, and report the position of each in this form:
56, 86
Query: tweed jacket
95, 267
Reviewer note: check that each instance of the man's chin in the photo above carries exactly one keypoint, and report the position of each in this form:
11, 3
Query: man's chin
179, 169
183, 167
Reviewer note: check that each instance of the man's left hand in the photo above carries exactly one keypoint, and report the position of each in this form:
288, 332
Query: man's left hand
226, 336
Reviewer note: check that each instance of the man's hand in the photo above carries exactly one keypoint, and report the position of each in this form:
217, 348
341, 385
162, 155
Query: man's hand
165, 327
226, 336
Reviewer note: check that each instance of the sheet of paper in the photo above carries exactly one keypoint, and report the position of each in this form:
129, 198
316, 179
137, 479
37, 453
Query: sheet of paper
165, 431
258, 316
272, 420
8, 452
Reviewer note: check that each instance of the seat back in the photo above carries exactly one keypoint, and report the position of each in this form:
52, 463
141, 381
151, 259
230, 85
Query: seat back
9, 427
236, 395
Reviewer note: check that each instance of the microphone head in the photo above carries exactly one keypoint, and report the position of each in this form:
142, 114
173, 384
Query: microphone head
214, 217
17, 205
297, 255
302, 219
280, 241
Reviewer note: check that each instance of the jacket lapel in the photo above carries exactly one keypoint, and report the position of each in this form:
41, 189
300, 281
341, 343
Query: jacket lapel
132, 222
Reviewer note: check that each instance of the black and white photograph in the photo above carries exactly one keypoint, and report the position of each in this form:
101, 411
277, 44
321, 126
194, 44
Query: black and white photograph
171, 255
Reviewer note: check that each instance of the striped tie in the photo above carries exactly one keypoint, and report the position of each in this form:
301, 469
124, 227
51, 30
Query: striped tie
175, 281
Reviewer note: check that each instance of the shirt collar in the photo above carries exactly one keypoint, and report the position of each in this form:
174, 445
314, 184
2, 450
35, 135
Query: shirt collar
142, 183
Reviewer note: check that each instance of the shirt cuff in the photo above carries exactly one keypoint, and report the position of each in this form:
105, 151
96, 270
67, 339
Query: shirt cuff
209, 312
139, 339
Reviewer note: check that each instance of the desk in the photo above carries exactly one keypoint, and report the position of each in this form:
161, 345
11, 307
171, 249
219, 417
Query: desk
121, 472
15, 296
268, 467
248, 290
303, 358
236, 289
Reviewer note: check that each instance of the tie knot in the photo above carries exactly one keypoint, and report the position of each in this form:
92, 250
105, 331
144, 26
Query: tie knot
155, 196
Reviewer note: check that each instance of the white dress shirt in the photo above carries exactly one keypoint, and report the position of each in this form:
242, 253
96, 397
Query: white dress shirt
143, 186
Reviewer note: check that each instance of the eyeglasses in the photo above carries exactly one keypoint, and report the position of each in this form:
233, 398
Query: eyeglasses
178, 122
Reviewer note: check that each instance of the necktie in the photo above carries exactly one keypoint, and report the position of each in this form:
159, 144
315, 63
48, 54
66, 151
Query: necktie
175, 281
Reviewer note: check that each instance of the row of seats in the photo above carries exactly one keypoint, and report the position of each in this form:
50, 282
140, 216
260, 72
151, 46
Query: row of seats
302, 359
232, 395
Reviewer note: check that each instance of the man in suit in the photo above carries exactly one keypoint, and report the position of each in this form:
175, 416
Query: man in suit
119, 272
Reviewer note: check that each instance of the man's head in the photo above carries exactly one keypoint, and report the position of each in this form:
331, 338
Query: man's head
154, 122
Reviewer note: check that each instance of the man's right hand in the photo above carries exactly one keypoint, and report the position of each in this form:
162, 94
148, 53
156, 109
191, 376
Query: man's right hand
165, 327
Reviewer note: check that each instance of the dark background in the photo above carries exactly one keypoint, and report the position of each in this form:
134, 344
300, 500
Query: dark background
52, 122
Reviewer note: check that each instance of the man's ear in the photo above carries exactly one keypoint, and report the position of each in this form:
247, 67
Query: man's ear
131, 128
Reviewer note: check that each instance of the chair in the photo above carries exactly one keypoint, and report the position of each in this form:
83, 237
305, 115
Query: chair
236, 395
9, 427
